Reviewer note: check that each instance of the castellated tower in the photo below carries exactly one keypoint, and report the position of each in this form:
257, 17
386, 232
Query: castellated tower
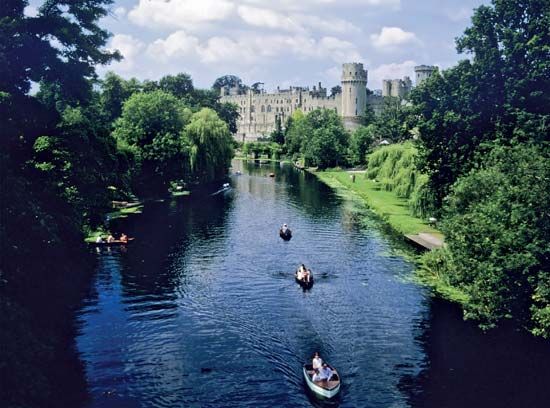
423, 72
354, 93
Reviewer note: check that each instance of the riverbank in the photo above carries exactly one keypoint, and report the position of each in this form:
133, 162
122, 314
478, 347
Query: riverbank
394, 211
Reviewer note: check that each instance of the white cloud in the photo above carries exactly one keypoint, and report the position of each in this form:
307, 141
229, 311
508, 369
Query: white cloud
120, 12
129, 47
180, 13
245, 49
390, 71
262, 17
30, 11
308, 5
177, 44
390, 38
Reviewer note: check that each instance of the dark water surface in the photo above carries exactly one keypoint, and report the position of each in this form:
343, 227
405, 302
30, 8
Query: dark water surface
202, 311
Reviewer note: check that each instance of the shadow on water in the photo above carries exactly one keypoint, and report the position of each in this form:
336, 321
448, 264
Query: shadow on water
505, 367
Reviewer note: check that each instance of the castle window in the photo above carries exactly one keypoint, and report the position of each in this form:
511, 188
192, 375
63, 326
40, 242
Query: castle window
355, 112
252, 109
355, 100
263, 108
269, 108
277, 109
296, 100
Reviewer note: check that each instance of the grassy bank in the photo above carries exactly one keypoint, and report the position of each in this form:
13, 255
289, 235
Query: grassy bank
396, 213
386, 204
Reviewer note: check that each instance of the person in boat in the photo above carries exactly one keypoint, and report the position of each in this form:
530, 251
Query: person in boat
317, 375
317, 362
123, 238
284, 229
326, 372
307, 275
99, 240
300, 274
110, 238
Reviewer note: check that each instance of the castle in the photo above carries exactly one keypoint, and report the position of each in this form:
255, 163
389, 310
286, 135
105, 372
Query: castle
259, 110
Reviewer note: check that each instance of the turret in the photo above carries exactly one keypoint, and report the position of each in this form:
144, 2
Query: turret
354, 90
423, 72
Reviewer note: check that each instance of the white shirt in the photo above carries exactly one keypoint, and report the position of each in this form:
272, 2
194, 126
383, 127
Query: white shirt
317, 362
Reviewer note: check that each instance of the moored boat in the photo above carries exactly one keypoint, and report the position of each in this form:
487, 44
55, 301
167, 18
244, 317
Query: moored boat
325, 388
115, 242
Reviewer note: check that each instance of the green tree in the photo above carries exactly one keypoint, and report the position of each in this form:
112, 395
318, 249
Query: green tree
230, 81
150, 129
179, 85
498, 95
326, 144
497, 232
278, 135
210, 143
295, 132
360, 142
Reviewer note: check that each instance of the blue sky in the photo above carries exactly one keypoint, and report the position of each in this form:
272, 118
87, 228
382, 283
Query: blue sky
283, 42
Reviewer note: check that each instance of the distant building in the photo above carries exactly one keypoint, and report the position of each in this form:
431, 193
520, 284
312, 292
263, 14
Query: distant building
398, 88
259, 110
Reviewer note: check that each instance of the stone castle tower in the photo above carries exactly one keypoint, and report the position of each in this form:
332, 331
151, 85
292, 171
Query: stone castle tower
423, 72
354, 93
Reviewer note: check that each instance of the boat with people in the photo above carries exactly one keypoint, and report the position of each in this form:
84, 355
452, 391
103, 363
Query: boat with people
304, 277
113, 242
321, 378
285, 233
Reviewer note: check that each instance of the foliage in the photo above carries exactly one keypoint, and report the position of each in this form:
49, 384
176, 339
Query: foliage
179, 85
230, 81
327, 140
295, 131
210, 145
150, 130
278, 135
360, 143
335, 90
498, 95
497, 231
394, 169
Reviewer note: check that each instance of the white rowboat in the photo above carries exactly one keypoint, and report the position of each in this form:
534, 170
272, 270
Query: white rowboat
324, 389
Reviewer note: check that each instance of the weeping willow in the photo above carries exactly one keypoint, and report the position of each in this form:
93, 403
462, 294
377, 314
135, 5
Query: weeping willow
394, 168
210, 145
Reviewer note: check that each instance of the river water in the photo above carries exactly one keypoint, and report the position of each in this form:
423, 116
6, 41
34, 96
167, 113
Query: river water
202, 310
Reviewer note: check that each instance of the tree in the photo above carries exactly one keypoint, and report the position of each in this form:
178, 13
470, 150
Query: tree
150, 130
210, 145
498, 95
278, 135
296, 130
114, 92
360, 142
497, 232
179, 85
326, 143
335, 90
230, 81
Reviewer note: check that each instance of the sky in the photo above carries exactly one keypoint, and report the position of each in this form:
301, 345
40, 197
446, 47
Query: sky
283, 42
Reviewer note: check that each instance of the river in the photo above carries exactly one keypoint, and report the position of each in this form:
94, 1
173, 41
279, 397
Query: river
202, 310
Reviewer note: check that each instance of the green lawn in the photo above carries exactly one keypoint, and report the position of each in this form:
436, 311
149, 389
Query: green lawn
386, 204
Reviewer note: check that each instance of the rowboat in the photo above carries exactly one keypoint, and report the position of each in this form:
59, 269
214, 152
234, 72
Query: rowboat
286, 235
323, 389
304, 284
